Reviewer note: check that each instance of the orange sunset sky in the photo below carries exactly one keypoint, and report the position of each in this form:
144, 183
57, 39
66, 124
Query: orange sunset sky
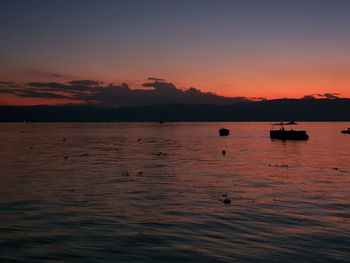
270, 49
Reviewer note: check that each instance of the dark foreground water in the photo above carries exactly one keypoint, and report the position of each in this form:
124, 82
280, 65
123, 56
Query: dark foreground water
149, 192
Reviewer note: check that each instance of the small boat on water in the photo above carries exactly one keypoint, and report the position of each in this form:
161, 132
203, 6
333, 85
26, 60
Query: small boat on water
346, 131
283, 134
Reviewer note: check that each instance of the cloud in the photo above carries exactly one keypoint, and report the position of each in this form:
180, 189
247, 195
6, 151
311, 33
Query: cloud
85, 82
156, 91
95, 92
6, 83
46, 95
62, 86
161, 86
327, 95
8, 91
155, 79
331, 95
28, 93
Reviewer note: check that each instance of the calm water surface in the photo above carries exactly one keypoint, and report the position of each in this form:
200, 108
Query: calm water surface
149, 192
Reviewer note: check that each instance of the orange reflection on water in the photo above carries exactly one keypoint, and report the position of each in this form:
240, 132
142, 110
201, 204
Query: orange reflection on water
72, 176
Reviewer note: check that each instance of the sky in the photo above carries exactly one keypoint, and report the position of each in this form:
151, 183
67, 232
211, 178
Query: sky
233, 48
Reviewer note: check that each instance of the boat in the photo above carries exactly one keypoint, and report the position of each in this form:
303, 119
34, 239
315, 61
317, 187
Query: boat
224, 132
346, 131
283, 134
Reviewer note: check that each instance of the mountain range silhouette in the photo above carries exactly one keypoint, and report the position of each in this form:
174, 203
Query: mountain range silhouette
266, 110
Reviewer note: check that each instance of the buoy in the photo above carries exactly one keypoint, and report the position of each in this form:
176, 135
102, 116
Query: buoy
125, 173
227, 201
224, 132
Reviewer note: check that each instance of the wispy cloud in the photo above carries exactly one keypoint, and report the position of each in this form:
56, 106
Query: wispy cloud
85, 82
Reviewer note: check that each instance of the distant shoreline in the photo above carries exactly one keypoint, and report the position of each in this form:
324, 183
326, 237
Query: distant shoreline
67, 122
311, 110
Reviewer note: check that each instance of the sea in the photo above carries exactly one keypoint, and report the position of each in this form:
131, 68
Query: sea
173, 192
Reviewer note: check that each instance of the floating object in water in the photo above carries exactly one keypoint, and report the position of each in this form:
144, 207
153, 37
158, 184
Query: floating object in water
291, 134
84, 155
347, 131
224, 132
338, 169
64, 139
227, 201
140, 172
223, 152
125, 173
66, 157
280, 165
161, 121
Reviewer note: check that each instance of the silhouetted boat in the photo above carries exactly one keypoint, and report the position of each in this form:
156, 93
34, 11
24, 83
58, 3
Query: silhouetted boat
224, 132
346, 131
283, 134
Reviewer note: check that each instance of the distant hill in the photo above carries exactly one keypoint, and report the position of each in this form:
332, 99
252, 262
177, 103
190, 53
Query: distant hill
268, 110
